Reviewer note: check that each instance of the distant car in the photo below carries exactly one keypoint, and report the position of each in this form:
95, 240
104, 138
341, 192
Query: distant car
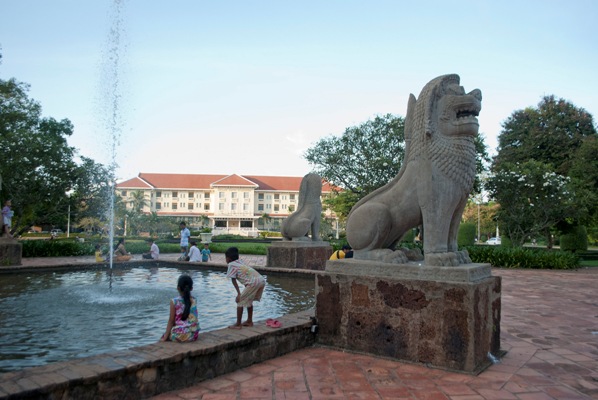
55, 232
493, 241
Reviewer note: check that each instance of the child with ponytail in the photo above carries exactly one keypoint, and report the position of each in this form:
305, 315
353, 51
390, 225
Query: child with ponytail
183, 324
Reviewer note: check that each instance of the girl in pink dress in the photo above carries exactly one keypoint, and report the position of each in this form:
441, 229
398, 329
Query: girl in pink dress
183, 324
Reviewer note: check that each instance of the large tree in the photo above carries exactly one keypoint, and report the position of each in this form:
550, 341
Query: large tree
558, 139
551, 134
364, 157
533, 199
39, 169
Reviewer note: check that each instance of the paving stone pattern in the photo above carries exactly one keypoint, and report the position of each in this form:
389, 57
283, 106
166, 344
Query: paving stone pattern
549, 330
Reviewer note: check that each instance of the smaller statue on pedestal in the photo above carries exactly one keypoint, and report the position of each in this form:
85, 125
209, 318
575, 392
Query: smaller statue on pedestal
307, 217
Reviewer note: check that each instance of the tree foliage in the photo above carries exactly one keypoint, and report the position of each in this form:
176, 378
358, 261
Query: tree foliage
364, 158
486, 216
38, 166
551, 134
546, 157
533, 199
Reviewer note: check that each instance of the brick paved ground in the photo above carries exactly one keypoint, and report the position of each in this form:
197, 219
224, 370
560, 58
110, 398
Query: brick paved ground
549, 328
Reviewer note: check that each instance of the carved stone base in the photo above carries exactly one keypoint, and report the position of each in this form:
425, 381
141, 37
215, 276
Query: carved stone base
447, 317
10, 252
303, 255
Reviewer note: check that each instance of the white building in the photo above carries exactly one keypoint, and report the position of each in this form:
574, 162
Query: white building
226, 203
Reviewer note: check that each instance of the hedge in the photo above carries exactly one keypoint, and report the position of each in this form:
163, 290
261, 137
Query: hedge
517, 257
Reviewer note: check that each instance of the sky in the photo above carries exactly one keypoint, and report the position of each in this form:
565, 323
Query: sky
245, 87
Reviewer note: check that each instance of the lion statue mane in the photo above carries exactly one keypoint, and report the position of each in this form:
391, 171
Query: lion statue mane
433, 184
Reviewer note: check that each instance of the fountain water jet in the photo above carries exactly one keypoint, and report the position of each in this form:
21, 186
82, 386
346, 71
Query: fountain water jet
111, 86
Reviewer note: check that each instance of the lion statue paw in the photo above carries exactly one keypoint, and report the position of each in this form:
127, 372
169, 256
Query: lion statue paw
463, 256
449, 259
384, 255
413, 254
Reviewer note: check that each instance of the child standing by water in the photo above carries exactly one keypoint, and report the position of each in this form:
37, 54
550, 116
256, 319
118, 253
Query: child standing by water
7, 214
254, 286
206, 253
183, 324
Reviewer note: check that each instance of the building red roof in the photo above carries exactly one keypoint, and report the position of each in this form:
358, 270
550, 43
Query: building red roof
205, 182
235, 180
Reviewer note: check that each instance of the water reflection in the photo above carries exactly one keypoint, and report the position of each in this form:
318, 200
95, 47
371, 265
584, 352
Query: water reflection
55, 316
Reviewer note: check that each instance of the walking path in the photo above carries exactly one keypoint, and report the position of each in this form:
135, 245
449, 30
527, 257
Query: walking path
217, 258
549, 330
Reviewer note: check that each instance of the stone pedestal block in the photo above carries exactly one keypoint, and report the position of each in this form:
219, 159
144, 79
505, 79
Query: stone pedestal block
10, 252
296, 254
447, 317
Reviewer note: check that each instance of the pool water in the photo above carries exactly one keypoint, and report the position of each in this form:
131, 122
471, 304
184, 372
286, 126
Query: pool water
56, 316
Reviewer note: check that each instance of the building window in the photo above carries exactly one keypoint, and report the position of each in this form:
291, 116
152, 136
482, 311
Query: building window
284, 197
158, 194
260, 207
123, 193
221, 206
292, 197
221, 195
284, 206
220, 224
276, 207
206, 195
246, 224
245, 206
190, 206
191, 195
233, 207
268, 197
269, 206
175, 206
158, 206
277, 197
206, 207
260, 196
175, 194
233, 195
245, 195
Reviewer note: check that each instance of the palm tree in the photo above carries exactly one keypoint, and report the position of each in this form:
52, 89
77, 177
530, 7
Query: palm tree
139, 201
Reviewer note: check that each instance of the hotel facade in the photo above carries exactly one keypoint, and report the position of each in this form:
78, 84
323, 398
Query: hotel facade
235, 204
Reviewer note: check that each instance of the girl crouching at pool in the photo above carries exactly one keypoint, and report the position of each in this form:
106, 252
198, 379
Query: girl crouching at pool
183, 324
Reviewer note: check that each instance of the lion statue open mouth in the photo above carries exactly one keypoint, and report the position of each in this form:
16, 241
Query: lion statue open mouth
433, 185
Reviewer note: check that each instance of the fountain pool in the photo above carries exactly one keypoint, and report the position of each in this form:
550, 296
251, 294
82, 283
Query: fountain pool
55, 316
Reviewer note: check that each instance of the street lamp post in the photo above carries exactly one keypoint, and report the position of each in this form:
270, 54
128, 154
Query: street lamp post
68, 223
478, 222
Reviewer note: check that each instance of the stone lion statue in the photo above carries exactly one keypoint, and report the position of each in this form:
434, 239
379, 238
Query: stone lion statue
433, 184
309, 210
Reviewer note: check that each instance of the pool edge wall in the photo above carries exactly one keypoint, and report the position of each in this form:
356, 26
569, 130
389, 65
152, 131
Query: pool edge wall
149, 370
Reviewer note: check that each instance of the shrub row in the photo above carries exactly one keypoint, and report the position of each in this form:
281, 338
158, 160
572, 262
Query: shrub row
497, 256
71, 248
516, 257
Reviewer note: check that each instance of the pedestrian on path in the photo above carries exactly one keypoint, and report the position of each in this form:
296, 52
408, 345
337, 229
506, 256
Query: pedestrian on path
185, 235
7, 214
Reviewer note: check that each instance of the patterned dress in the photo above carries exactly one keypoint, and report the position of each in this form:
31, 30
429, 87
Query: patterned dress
188, 330
252, 280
